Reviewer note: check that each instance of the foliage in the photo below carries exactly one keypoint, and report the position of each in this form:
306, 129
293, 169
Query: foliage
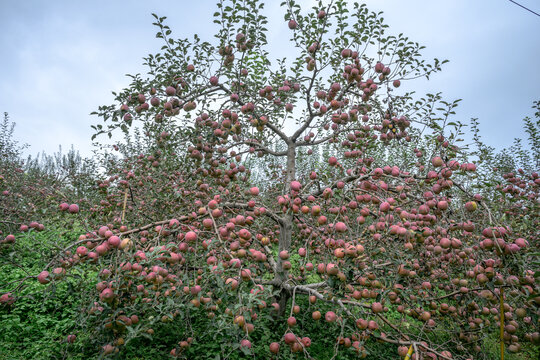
252, 196
37, 326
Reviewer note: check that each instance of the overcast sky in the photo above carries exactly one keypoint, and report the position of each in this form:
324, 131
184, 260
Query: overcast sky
60, 60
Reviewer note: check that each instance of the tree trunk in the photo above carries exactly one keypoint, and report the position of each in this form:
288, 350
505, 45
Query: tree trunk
285, 231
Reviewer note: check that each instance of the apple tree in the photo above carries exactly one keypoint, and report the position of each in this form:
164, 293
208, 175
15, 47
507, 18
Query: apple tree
268, 195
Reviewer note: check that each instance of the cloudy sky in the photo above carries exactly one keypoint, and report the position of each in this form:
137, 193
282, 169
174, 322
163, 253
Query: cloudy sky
61, 59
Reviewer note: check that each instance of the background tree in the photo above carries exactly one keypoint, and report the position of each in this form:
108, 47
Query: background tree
33, 188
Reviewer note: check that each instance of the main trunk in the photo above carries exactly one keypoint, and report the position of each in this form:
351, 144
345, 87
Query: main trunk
285, 230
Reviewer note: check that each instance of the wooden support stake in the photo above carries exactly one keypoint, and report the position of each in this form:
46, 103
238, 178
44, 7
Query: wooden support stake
409, 353
501, 317
125, 203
